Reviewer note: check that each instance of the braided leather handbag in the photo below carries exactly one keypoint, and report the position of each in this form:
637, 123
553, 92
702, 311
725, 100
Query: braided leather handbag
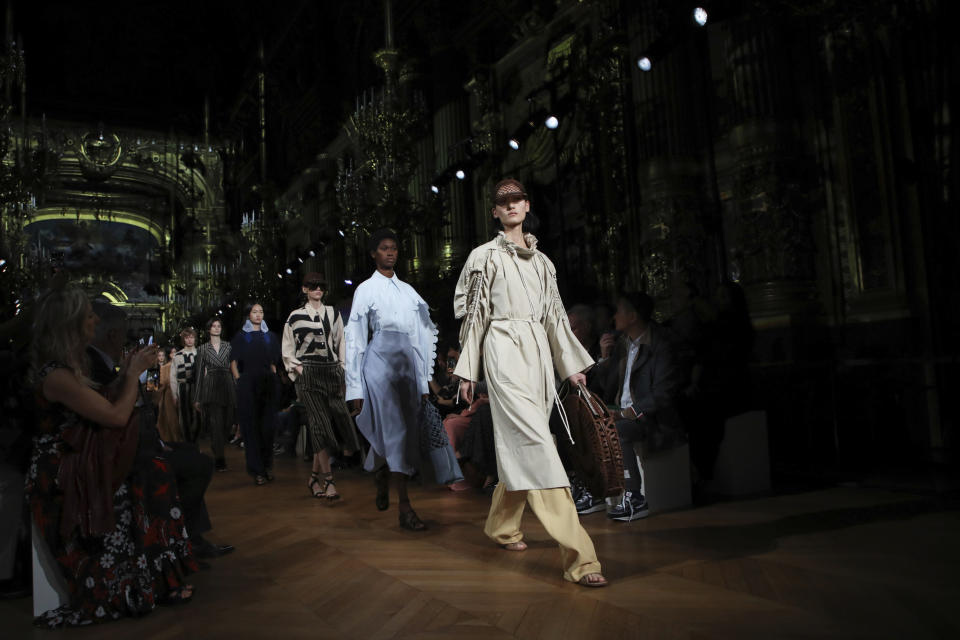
595, 454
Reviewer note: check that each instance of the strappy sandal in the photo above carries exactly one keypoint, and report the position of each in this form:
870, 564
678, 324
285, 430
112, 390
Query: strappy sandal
410, 521
381, 478
585, 582
314, 486
327, 483
259, 481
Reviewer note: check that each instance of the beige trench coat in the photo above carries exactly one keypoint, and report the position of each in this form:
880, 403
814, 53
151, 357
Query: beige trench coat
514, 323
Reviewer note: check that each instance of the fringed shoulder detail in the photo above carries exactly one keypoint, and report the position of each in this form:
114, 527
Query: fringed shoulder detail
431, 335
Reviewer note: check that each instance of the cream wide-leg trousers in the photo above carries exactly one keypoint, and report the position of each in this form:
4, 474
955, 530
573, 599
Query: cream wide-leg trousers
558, 515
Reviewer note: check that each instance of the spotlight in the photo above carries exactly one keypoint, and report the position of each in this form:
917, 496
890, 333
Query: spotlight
644, 63
461, 174
514, 144
348, 282
220, 312
289, 271
300, 260
700, 16
312, 253
342, 234
551, 122
434, 188
3, 261
280, 275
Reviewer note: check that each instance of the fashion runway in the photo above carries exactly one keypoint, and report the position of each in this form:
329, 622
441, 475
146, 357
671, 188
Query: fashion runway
837, 563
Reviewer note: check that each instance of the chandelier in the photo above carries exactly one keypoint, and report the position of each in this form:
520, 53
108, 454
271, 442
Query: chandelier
374, 182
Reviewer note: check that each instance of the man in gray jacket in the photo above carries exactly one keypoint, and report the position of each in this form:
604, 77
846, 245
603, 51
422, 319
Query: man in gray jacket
639, 376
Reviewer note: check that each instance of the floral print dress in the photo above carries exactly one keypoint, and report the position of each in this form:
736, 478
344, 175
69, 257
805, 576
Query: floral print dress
126, 572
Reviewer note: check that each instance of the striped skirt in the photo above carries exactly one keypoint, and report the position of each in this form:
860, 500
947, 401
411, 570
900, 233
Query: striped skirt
320, 390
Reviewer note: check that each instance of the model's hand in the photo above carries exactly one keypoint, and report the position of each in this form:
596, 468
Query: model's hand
466, 390
196, 405
356, 406
578, 379
299, 369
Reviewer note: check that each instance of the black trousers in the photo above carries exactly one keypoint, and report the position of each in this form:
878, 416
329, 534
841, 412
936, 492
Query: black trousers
256, 412
189, 420
194, 471
630, 432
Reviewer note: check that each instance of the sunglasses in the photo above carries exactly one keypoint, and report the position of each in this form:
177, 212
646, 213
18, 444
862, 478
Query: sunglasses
315, 285
507, 198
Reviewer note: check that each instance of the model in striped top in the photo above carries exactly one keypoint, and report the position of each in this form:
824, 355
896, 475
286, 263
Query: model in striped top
313, 356
182, 384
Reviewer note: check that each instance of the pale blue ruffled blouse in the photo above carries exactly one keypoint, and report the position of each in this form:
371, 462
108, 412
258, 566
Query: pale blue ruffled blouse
388, 304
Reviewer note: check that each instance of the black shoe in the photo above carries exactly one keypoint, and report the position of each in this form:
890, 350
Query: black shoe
629, 508
203, 548
411, 522
220, 465
268, 474
586, 503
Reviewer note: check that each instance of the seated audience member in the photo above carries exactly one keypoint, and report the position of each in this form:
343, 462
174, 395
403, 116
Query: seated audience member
638, 376
456, 425
476, 446
193, 470
444, 387
120, 552
581, 319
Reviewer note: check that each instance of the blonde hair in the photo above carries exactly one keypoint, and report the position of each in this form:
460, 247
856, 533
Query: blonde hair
58, 331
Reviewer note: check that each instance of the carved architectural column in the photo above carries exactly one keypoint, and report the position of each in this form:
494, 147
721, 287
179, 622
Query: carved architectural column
770, 229
670, 230
451, 126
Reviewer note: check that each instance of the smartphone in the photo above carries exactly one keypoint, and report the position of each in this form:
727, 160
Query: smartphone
145, 341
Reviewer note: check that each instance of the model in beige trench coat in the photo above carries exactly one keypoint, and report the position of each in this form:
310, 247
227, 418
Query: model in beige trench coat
516, 325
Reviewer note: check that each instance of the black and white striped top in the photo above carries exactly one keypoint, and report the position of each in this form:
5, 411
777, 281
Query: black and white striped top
183, 361
181, 370
312, 336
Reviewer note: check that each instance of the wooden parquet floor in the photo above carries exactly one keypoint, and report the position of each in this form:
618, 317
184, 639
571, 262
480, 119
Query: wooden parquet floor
838, 563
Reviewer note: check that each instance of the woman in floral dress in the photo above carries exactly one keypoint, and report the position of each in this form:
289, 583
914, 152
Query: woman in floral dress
126, 550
